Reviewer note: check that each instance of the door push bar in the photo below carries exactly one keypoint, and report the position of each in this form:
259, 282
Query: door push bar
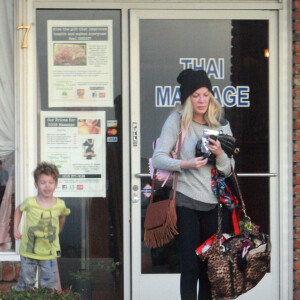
145, 175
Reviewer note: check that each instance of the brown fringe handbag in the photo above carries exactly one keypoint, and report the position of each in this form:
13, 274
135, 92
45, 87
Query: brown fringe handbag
161, 219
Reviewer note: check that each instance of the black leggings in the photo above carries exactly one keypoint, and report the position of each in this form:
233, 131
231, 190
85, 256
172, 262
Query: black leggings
195, 227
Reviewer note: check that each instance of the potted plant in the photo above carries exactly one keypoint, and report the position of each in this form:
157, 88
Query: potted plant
40, 294
85, 277
83, 280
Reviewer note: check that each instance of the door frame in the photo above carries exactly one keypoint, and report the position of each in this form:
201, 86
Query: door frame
276, 203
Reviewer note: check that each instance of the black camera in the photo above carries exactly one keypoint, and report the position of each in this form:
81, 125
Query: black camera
201, 146
228, 144
203, 150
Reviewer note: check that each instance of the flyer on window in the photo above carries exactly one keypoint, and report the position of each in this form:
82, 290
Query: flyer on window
80, 63
75, 143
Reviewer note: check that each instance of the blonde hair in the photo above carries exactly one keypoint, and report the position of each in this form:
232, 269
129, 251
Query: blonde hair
212, 116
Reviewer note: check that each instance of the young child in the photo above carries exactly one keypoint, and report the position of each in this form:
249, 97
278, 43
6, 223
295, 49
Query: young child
45, 218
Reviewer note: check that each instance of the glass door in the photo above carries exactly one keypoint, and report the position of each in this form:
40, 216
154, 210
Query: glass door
238, 49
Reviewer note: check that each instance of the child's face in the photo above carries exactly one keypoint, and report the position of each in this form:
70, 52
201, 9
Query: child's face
46, 185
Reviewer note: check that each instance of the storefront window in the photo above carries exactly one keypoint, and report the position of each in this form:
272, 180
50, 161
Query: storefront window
80, 130
7, 121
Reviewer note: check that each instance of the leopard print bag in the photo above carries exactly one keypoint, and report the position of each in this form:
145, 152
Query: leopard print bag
229, 273
240, 262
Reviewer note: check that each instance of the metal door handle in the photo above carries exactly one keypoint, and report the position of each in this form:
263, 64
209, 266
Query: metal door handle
146, 175
135, 198
141, 175
257, 174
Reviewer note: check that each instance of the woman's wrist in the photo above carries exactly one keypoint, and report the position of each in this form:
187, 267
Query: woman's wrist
219, 154
182, 164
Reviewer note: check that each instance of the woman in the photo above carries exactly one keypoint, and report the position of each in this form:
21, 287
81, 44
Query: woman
196, 204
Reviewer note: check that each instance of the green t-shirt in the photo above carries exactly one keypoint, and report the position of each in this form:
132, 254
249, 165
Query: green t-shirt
40, 238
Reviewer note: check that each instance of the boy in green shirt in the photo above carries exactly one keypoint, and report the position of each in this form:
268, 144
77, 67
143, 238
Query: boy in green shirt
45, 218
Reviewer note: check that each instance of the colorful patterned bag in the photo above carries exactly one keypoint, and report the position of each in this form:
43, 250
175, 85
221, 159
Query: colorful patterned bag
224, 190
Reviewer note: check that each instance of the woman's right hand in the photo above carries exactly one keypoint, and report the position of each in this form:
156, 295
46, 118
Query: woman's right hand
194, 163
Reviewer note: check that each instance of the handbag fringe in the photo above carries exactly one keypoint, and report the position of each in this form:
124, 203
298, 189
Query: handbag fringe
159, 236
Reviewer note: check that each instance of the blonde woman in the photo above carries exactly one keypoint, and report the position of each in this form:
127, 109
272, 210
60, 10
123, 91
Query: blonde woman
196, 204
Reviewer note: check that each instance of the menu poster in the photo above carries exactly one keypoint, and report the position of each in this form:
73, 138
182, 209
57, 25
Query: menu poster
80, 63
75, 143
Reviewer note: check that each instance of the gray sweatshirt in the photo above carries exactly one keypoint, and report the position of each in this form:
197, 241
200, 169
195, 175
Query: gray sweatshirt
195, 184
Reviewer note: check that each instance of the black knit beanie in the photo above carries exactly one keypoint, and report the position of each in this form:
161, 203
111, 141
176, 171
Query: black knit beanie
190, 81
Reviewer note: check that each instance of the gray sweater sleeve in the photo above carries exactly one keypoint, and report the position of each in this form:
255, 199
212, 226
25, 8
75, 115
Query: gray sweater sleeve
166, 144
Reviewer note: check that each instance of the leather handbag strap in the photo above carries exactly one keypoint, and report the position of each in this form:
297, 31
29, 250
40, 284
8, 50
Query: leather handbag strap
239, 190
219, 230
152, 187
176, 175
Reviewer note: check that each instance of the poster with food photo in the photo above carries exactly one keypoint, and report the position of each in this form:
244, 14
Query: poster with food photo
80, 63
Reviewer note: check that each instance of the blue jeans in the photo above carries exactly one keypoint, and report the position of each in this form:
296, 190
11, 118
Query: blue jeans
195, 227
28, 273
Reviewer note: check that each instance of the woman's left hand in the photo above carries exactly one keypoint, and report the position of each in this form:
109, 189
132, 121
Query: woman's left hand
215, 147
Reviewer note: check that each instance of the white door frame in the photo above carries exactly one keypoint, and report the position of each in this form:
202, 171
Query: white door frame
142, 284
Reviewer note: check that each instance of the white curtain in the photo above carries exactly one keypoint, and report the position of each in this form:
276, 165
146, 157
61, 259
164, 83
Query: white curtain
7, 119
